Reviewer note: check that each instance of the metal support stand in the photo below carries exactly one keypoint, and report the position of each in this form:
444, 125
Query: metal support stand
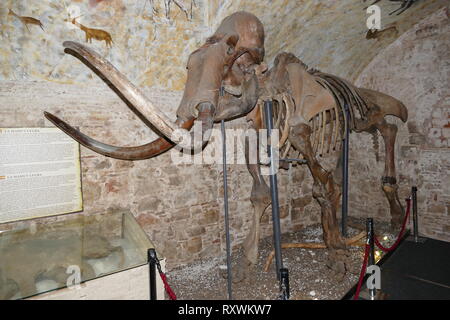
151, 259
285, 290
371, 260
299, 161
275, 204
415, 237
345, 151
415, 218
225, 205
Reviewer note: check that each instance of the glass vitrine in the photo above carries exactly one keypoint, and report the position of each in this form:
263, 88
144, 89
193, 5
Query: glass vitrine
49, 256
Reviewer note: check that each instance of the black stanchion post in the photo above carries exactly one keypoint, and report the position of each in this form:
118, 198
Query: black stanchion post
151, 259
415, 217
285, 291
371, 260
345, 150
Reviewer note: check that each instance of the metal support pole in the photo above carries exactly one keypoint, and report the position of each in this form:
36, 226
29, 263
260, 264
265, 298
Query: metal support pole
415, 217
285, 291
299, 161
225, 205
151, 259
371, 260
345, 149
273, 190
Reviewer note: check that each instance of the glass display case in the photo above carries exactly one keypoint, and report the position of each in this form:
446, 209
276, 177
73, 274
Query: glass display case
45, 257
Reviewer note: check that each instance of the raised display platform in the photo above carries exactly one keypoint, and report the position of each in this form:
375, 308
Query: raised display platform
415, 271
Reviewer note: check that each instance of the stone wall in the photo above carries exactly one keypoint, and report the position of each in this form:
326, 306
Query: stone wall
179, 206
414, 69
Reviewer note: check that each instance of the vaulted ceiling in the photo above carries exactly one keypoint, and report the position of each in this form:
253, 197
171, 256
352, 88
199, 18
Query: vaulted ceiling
328, 35
151, 43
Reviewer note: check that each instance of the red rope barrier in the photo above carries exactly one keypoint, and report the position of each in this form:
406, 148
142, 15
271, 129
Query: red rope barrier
163, 276
367, 249
363, 272
402, 230
169, 290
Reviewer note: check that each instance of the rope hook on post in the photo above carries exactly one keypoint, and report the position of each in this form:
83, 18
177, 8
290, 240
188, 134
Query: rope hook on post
153, 261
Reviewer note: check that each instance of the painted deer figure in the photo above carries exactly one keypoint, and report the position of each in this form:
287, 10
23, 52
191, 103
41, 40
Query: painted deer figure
96, 34
27, 20
308, 108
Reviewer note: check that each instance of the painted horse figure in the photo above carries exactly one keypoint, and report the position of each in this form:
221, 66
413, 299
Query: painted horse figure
311, 123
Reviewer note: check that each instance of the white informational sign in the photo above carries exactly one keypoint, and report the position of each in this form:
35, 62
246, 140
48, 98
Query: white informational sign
39, 173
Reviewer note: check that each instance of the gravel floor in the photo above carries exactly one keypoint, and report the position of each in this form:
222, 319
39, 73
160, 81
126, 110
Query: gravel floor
309, 277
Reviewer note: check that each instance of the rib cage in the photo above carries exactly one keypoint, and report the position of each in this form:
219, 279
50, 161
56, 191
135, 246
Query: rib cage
325, 131
344, 94
283, 109
328, 126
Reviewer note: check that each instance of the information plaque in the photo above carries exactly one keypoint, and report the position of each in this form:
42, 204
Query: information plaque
39, 173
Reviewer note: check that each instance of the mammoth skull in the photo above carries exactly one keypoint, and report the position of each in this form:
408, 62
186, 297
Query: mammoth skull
226, 59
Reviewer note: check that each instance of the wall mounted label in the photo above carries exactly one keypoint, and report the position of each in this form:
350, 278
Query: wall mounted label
39, 173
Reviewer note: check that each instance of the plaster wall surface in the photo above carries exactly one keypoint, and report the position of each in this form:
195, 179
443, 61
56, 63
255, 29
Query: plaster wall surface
179, 206
150, 45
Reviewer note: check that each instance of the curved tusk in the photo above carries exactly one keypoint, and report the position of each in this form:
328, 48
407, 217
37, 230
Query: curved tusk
197, 139
143, 152
127, 89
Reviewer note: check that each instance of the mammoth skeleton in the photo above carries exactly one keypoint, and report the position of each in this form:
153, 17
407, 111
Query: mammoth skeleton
310, 115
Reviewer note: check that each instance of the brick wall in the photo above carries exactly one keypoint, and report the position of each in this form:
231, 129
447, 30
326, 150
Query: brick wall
179, 206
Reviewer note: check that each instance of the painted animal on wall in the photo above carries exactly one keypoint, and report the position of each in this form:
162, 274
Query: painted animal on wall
309, 109
91, 33
26, 20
